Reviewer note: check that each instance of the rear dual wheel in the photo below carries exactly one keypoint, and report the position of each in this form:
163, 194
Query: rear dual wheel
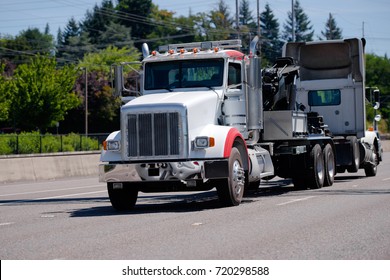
320, 170
329, 165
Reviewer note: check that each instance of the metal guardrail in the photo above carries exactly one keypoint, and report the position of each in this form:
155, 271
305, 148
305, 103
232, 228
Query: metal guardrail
49, 143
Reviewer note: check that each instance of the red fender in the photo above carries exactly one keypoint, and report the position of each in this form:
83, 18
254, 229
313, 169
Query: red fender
230, 137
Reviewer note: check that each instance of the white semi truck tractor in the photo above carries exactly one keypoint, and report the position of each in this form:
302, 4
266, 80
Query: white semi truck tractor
207, 116
331, 83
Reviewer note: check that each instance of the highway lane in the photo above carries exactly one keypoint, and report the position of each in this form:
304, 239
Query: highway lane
73, 219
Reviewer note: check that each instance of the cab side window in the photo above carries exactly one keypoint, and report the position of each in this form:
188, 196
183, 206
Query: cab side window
234, 75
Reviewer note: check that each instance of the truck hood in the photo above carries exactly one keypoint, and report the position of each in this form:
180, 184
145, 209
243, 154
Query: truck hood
201, 106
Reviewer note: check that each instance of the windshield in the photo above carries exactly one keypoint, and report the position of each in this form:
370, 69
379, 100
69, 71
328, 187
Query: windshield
183, 74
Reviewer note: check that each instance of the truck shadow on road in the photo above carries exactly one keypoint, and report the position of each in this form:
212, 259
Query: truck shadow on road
176, 203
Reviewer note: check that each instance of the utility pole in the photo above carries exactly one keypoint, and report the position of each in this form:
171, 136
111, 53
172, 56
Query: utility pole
293, 20
237, 20
258, 19
86, 99
258, 26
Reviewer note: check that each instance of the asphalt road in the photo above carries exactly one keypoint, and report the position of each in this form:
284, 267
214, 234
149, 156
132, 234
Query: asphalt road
73, 219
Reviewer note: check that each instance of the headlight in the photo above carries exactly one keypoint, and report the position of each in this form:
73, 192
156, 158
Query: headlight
203, 142
113, 145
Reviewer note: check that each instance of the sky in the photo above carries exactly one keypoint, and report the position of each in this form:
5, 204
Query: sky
356, 18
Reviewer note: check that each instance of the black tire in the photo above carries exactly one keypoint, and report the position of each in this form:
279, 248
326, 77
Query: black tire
340, 169
354, 167
230, 192
371, 169
316, 174
300, 182
252, 186
124, 198
329, 165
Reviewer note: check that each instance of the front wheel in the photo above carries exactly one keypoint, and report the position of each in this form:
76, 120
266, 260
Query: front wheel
122, 197
354, 167
371, 168
231, 191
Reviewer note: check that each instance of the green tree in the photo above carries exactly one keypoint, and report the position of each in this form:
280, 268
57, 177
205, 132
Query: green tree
103, 107
27, 43
332, 31
74, 43
271, 46
169, 29
98, 20
136, 15
102, 60
245, 16
377, 71
115, 34
41, 93
247, 24
221, 23
303, 30
165, 28
4, 93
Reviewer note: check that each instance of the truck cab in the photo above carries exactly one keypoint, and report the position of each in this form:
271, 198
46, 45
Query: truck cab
332, 83
188, 129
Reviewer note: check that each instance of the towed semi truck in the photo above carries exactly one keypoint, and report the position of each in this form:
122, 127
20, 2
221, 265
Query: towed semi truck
207, 116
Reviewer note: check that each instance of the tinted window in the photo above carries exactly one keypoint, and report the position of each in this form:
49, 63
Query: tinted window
324, 97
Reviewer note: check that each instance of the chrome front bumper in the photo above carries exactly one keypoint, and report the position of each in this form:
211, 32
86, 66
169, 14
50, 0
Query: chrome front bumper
163, 171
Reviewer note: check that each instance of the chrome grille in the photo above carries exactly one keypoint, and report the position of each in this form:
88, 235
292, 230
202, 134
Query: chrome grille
154, 134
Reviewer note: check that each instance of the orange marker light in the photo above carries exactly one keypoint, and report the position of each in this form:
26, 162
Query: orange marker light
211, 142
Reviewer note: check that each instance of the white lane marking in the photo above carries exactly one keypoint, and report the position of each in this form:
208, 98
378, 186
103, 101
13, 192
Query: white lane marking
48, 182
52, 197
56, 190
67, 195
6, 224
295, 200
386, 179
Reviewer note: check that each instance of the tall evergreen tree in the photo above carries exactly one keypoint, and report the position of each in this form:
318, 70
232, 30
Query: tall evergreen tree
247, 24
97, 20
72, 29
332, 31
136, 15
246, 17
73, 43
303, 30
221, 22
115, 34
271, 46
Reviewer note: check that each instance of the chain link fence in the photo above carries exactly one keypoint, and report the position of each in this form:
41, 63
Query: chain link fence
33, 143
